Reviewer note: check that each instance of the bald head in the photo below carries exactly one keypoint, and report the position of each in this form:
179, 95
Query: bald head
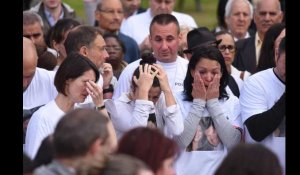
29, 62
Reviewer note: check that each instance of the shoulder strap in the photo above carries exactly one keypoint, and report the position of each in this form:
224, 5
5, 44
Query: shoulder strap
233, 86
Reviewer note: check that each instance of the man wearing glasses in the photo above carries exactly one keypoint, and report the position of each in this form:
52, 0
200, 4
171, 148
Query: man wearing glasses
109, 14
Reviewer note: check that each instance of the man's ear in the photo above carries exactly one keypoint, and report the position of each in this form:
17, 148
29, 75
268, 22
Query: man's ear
83, 51
96, 147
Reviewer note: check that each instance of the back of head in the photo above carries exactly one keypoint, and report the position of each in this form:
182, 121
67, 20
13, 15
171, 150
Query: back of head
146, 144
79, 36
123, 164
249, 159
116, 164
58, 31
77, 131
164, 19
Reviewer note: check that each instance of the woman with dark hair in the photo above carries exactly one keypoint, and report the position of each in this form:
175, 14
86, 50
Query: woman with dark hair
212, 122
75, 80
57, 36
152, 147
267, 52
149, 103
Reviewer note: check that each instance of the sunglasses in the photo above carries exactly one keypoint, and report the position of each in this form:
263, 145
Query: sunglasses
223, 48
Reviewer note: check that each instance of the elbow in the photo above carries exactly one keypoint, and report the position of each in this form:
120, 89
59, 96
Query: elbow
256, 136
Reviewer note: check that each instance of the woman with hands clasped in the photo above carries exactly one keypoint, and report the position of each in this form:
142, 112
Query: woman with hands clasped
212, 122
149, 103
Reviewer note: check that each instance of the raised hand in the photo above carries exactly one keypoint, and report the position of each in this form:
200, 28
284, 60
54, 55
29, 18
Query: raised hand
145, 81
96, 92
213, 90
107, 74
199, 90
162, 77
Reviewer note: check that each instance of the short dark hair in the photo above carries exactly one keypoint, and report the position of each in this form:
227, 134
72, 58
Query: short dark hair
82, 35
57, 32
77, 131
73, 67
164, 19
205, 52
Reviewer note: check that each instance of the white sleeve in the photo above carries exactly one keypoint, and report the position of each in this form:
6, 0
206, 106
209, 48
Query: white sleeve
169, 117
124, 116
37, 130
252, 99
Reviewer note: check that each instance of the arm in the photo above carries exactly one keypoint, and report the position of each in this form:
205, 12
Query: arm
107, 74
229, 135
95, 91
170, 111
263, 124
191, 123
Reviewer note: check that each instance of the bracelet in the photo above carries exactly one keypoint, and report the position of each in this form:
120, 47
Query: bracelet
98, 108
110, 89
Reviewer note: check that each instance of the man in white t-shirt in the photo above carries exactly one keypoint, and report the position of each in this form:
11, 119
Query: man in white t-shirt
137, 26
164, 38
38, 88
263, 107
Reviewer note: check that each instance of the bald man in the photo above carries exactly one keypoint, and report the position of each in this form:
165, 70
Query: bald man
38, 86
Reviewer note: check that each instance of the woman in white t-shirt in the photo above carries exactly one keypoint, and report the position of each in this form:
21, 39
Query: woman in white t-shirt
75, 80
149, 103
212, 122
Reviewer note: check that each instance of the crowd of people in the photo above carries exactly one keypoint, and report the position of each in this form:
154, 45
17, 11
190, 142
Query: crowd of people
134, 91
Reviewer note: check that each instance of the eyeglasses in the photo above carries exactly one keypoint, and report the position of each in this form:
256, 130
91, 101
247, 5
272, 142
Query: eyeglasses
230, 48
34, 35
116, 48
111, 12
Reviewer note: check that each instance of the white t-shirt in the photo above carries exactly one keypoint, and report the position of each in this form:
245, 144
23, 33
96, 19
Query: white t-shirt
237, 73
41, 124
126, 114
206, 160
260, 92
41, 90
176, 73
137, 26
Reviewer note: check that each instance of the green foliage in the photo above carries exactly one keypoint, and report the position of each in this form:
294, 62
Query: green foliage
205, 17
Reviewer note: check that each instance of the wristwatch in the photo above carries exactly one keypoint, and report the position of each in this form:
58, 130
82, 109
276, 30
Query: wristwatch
98, 108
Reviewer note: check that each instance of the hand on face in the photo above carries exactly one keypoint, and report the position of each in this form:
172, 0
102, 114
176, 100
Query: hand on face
199, 90
213, 88
96, 92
